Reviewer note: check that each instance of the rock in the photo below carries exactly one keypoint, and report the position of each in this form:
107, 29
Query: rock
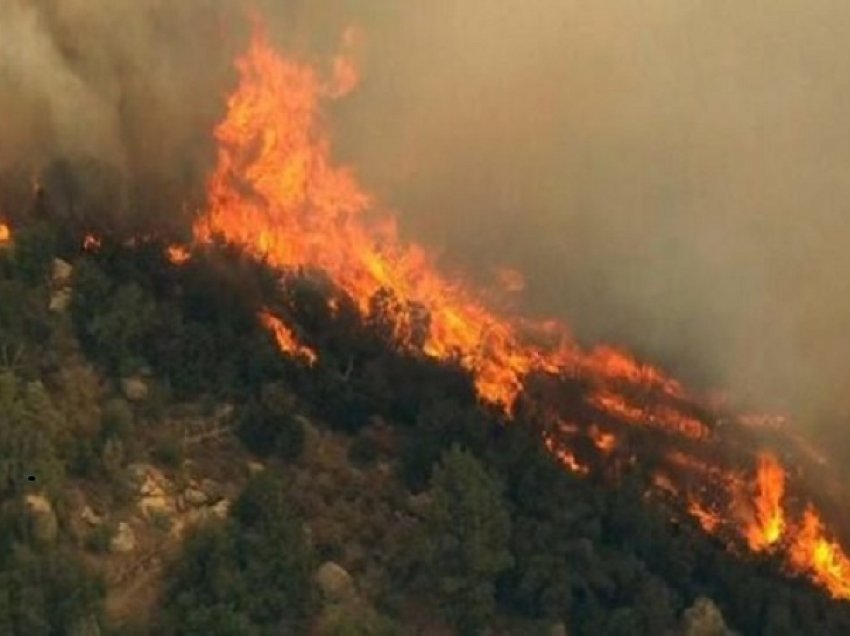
60, 300
134, 388
124, 540
334, 582
43, 521
221, 509
155, 505
61, 272
90, 517
195, 497
704, 618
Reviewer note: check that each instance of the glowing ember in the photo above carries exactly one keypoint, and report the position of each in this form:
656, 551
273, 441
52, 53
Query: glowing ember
769, 522
606, 442
177, 254
5, 233
566, 457
286, 340
707, 518
91, 243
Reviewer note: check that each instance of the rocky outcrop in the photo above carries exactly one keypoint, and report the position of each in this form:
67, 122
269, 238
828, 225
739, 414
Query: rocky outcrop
134, 388
43, 523
704, 618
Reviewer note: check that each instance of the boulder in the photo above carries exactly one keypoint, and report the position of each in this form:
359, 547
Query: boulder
61, 272
90, 516
704, 618
334, 582
43, 522
60, 300
221, 509
195, 497
124, 540
135, 389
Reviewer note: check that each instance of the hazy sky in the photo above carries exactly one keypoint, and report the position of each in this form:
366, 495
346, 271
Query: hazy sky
672, 175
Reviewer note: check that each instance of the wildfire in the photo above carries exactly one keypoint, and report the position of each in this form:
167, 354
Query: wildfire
277, 193
286, 340
5, 233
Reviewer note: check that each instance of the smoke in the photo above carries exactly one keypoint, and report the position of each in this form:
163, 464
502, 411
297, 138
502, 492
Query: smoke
134, 87
667, 175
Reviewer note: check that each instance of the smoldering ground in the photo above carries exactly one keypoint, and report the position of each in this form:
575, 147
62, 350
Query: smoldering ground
668, 175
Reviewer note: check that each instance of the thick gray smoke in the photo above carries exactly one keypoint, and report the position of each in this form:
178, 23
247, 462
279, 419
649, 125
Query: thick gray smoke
670, 175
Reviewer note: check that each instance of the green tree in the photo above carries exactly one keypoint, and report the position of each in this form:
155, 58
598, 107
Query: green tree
248, 576
30, 423
268, 425
467, 534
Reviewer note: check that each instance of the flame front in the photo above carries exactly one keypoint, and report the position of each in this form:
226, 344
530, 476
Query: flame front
5, 233
276, 192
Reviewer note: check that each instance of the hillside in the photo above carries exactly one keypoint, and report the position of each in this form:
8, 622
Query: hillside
169, 469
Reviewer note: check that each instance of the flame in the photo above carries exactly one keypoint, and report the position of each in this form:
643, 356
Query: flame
564, 455
276, 192
286, 340
820, 556
5, 233
177, 254
769, 519
91, 243
605, 441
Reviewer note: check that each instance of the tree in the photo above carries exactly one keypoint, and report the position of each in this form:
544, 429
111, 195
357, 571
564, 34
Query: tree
248, 576
267, 425
30, 425
466, 543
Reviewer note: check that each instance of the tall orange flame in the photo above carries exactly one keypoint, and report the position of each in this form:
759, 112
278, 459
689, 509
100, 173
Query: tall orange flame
276, 192
769, 519
5, 233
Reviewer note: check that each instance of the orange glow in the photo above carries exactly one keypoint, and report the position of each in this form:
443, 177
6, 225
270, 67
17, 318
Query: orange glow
91, 243
565, 456
813, 552
606, 442
286, 340
5, 233
277, 193
177, 254
769, 519
707, 518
